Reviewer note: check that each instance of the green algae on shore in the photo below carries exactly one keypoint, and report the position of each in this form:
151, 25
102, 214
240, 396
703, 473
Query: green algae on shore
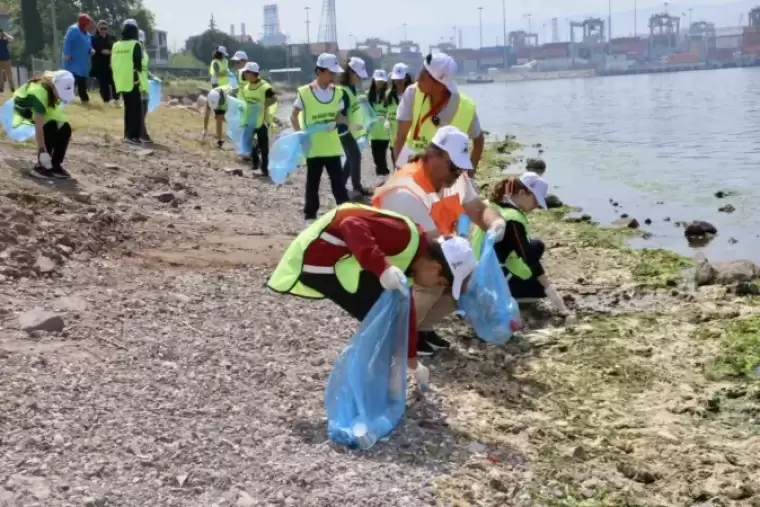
650, 399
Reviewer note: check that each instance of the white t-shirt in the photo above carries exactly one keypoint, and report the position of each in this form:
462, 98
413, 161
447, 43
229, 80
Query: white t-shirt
406, 203
406, 109
324, 95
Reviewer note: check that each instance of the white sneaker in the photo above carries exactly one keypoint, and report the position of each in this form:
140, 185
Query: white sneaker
308, 222
381, 180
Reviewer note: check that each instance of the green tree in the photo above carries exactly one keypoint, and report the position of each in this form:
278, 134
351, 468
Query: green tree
31, 23
185, 60
202, 46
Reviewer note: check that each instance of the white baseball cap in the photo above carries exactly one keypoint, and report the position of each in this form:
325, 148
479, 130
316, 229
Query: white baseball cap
400, 70
329, 62
238, 56
537, 185
223, 50
251, 67
357, 65
63, 82
456, 143
213, 99
442, 68
129, 22
461, 259
380, 75
141, 36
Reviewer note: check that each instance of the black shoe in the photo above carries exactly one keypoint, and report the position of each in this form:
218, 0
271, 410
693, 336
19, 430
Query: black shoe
135, 142
60, 173
365, 192
423, 347
219, 144
255, 164
435, 341
40, 172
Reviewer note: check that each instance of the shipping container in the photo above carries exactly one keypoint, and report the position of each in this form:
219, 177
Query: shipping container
492, 61
721, 54
751, 50
628, 45
553, 50
728, 41
523, 52
697, 47
683, 58
468, 66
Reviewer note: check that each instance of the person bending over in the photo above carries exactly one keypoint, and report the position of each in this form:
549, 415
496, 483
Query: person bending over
38, 103
354, 253
216, 102
519, 254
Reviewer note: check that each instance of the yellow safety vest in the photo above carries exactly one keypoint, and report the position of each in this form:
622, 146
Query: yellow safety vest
354, 112
123, 66
323, 144
514, 264
224, 71
254, 96
286, 277
391, 114
35, 89
462, 120
144, 74
378, 132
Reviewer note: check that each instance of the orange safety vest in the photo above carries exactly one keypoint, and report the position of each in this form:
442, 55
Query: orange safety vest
444, 210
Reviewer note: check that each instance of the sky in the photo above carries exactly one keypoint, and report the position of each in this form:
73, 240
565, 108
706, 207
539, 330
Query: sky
431, 21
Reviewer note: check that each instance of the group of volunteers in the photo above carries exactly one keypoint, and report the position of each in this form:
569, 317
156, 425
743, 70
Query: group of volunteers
40, 101
407, 239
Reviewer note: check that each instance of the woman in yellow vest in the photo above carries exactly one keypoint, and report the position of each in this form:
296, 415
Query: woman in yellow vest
400, 81
145, 77
258, 95
354, 253
126, 67
519, 254
356, 71
432, 102
38, 102
219, 68
320, 103
379, 136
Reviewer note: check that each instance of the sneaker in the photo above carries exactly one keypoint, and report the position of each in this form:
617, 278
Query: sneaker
382, 179
255, 164
308, 222
423, 347
365, 192
60, 173
146, 140
40, 172
435, 341
135, 142
219, 144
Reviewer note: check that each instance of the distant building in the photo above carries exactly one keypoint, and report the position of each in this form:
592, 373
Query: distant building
5, 18
158, 51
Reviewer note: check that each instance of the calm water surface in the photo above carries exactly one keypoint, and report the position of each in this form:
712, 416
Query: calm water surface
671, 138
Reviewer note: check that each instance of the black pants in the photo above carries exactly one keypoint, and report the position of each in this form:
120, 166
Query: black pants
353, 167
314, 167
380, 157
530, 288
358, 304
56, 140
81, 83
133, 114
106, 86
144, 128
261, 147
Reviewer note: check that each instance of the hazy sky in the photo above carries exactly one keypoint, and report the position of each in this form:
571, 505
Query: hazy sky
427, 20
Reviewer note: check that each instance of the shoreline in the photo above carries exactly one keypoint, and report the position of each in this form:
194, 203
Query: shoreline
159, 358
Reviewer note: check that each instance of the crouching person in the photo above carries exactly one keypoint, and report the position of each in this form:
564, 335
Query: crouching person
38, 103
216, 103
519, 254
354, 253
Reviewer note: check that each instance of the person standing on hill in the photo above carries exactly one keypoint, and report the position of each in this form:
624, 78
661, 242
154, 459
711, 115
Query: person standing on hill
219, 69
102, 44
127, 64
6, 69
77, 48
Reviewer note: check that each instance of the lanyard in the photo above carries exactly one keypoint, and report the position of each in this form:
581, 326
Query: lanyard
434, 110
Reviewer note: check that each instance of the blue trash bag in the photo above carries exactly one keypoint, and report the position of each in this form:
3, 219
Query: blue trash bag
365, 397
369, 115
487, 303
361, 142
463, 226
19, 133
154, 94
238, 132
288, 152
233, 80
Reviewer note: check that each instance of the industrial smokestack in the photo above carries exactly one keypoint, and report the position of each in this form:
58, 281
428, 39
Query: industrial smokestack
232, 30
242, 29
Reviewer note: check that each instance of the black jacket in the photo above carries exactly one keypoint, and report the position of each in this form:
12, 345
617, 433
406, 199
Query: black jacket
101, 62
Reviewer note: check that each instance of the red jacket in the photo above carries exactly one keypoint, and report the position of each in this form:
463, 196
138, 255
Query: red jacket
371, 238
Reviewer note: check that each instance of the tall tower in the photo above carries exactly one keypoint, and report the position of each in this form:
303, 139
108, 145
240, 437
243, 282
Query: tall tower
555, 30
272, 35
328, 25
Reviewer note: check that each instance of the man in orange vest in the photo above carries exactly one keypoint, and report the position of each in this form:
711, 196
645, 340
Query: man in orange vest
434, 191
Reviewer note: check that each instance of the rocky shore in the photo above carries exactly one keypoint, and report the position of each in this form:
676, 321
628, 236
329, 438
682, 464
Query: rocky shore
143, 363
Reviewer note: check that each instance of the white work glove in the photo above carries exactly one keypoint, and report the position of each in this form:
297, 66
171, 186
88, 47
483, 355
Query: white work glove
497, 230
44, 160
387, 125
422, 376
556, 300
394, 279
203, 134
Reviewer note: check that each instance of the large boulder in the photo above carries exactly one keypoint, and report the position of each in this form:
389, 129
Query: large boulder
724, 273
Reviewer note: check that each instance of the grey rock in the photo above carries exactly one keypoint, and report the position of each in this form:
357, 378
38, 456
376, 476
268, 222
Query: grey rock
165, 197
577, 217
699, 228
38, 487
245, 500
630, 223
44, 265
724, 273
552, 201
70, 304
233, 171
728, 208
40, 320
